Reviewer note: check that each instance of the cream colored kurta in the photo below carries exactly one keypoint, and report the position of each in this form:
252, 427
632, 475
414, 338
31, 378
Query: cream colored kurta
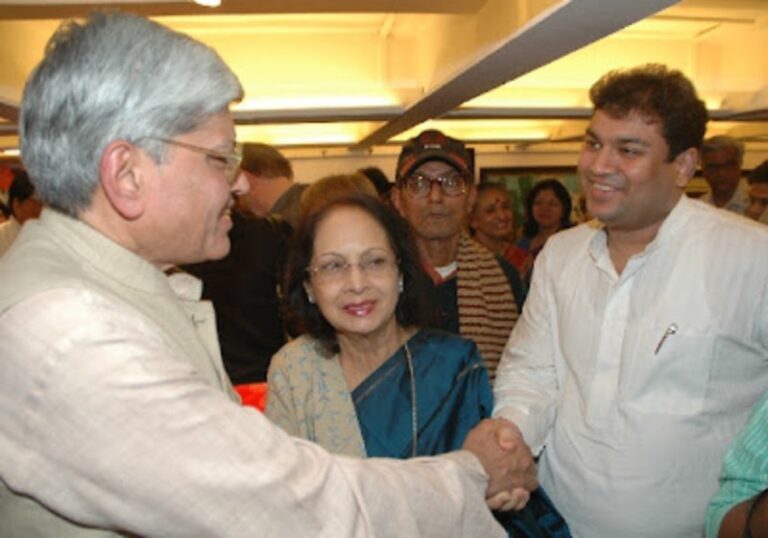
115, 414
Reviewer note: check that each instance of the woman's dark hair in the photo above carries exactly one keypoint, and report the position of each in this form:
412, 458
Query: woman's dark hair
303, 317
530, 226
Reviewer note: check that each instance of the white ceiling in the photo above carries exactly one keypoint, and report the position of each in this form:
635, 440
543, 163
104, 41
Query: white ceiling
362, 73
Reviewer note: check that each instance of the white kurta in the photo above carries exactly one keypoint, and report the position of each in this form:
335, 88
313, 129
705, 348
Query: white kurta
636, 423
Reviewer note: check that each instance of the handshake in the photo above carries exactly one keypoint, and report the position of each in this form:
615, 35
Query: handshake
505, 456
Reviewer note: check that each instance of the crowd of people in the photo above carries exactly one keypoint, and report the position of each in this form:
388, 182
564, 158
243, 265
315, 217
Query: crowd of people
429, 370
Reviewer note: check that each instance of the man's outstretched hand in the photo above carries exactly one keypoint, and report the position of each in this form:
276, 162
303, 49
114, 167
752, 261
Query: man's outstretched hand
505, 456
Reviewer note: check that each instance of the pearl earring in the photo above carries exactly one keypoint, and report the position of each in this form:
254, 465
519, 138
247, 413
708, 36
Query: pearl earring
310, 297
400, 285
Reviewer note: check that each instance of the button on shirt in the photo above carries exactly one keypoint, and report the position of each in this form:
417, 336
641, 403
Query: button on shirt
634, 384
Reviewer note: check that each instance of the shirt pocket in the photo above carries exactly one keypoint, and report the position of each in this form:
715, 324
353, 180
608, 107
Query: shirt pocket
671, 371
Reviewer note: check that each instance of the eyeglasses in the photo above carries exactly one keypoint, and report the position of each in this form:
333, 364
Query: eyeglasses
337, 269
228, 162
419, 185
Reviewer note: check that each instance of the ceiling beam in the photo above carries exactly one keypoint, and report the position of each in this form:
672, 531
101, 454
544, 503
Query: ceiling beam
316, 115
560, 31
517, 113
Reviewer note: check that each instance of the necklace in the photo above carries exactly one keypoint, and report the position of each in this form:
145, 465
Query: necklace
414, 412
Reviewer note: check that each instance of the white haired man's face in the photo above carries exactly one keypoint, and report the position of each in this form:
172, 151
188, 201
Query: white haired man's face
190, 203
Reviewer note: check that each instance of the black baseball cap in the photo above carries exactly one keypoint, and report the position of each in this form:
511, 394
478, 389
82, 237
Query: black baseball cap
433, 145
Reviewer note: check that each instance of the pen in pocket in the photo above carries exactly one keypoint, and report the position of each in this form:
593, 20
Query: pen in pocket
672, 329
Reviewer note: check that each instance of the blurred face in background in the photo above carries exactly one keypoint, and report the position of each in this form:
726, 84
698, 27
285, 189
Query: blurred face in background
547, 209
758, 202
492, 216
722, 170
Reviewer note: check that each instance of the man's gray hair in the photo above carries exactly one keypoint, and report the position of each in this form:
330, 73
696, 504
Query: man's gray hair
719, 142
116, 76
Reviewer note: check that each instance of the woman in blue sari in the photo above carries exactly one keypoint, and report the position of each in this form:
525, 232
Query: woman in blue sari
363, 379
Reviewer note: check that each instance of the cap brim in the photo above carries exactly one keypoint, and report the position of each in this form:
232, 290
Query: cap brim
435, 155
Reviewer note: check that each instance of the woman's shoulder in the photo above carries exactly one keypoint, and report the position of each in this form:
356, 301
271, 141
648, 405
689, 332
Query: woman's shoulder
448, 345
447, 358
301, 349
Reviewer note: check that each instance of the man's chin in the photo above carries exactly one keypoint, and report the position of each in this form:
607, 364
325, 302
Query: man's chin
219, 251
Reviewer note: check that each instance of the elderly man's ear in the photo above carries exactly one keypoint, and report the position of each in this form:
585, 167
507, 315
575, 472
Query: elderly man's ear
122, 180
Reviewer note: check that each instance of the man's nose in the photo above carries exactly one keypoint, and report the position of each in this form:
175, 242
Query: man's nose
435, 191
603, 161
241, 185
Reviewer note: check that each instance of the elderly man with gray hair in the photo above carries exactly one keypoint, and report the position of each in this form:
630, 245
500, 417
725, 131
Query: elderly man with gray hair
116, 416
721, 161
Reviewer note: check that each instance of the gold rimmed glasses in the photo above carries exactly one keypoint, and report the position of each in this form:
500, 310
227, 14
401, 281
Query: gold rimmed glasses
228, 162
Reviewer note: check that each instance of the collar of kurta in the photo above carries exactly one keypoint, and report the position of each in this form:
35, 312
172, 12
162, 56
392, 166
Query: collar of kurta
673, 222
89, 245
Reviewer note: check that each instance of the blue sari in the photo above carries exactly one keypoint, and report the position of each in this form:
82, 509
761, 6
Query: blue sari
453, 394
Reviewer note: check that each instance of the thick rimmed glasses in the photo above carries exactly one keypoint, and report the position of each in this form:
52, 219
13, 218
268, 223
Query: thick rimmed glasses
228, 162
452, 184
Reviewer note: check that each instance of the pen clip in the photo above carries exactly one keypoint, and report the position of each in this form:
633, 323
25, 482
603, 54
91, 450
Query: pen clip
672, 329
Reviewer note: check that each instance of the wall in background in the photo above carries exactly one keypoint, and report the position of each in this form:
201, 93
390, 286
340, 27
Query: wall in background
312, 164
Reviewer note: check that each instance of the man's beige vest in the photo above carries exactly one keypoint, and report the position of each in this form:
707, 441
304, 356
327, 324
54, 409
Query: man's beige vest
61, 252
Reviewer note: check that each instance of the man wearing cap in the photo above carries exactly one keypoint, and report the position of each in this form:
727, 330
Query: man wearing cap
478, 294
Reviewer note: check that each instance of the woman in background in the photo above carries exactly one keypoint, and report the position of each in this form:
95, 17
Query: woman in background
493, 225
333, 186
547, 211
364, 379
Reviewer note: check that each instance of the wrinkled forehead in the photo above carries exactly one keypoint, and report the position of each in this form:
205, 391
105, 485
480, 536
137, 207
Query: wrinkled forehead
435, 167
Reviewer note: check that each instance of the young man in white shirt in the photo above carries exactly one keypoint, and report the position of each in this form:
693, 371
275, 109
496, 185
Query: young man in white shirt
644, 339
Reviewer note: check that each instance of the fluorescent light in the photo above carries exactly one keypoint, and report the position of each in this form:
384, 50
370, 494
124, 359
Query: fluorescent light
302, 134
208, 3
315, 102
11, 152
